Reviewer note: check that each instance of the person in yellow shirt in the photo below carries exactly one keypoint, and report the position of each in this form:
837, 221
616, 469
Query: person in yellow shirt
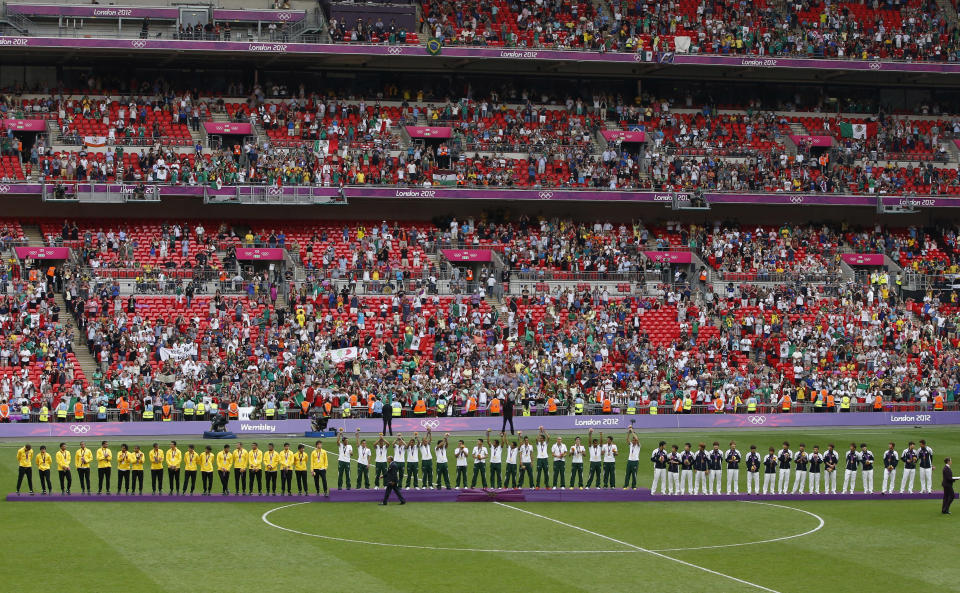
240, 460
271, 463
104, 467
174, 457
254, 465
206, 470
25, 469
156, 469
318, 464
84, 459
136, 471
300, 469
191, 461
224, 465
124, 459
286, 470
44, 461
64, 458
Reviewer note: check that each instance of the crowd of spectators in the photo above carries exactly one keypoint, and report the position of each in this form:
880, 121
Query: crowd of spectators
501, 138
882, 29
267, 342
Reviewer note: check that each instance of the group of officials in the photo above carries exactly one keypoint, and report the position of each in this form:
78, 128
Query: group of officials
507, 465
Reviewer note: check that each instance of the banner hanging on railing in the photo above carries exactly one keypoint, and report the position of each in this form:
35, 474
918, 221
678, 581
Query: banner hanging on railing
814, 141
623, 136
468, 255
259, 253
42, 252
25, 125
862, 259
429, 131
227, 128
673, 257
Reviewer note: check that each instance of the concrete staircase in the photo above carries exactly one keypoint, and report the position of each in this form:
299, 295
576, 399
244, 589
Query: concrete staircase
33, 235
798, 129
80, 350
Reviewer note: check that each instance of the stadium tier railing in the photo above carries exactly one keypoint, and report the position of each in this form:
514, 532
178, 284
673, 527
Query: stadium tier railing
292, 413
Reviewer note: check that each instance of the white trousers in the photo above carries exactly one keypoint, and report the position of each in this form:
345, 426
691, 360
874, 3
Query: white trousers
716, 480
814, 483
700, 480
686, 481
849, 481
926, 479
659, 477
673, 483
909, 476
753, 482
889, 480
769, 483
799, 481
830, 482
783, 481
733, 481
867, 476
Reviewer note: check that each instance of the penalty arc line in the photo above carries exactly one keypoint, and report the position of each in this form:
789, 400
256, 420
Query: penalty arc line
640, 549
766, 541
483, 550
264, 518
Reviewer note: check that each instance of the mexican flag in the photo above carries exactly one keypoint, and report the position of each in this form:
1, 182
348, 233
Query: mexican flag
94, 141
325, 147
857, 131
445, 178
343, 354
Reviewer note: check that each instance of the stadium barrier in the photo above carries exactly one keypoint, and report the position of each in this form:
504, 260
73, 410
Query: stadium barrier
537, 410
481, 424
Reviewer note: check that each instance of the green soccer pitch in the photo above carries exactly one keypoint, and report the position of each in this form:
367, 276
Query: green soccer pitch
689, 547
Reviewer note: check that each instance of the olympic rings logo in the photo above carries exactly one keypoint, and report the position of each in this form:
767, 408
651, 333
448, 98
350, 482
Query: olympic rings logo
80, 428
757, 419
394, 50
4, 189
546, 195
874, 65
430, 423
284, 16
138, 43
796, 199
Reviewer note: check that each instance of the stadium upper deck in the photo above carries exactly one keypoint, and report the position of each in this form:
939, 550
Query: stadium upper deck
894, 35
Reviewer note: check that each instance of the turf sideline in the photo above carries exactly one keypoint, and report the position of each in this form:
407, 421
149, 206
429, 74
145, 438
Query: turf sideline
641, 549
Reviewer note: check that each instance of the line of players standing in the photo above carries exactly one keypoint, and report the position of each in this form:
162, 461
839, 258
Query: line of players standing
700, 471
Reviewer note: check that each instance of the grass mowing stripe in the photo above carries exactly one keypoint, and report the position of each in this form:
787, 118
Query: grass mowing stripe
639, 549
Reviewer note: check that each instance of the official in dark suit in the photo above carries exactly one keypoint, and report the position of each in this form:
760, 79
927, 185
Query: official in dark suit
507, 413
392, 480
948, 481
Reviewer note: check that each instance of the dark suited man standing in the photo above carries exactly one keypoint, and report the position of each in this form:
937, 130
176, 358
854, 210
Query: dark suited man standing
391, 480
507, 413
948, 481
